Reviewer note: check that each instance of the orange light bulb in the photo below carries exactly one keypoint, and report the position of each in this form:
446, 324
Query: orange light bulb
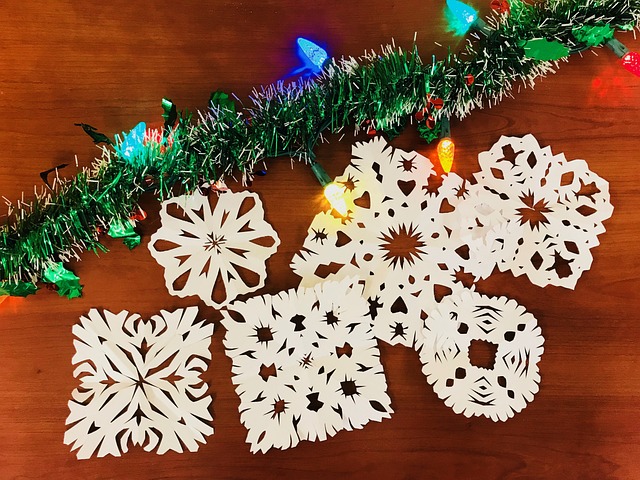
446, 152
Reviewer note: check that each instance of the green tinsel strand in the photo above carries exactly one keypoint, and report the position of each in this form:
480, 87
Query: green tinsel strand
21, 289
288, 120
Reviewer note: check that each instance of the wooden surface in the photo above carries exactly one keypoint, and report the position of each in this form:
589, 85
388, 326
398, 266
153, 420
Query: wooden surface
109, 66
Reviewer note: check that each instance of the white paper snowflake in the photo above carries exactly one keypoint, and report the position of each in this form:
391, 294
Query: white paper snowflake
396, 235
539, 214
306, 364
216, 254
498, 392
139, 383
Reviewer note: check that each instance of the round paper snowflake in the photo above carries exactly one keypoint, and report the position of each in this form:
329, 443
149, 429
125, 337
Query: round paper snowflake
216, 254
546, 212
139, 383
305, 364
497, 392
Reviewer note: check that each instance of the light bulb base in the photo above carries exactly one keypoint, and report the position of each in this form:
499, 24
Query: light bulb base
321, 174
445, 127
446, 147
481, 26
617, 47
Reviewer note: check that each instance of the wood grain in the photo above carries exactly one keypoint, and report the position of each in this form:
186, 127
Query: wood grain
109, 64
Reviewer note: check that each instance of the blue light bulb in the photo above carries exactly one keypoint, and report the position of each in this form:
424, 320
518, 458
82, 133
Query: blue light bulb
313, 56
133, 141
460, 16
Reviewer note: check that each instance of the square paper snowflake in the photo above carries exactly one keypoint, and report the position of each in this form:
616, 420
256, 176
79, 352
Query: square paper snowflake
139, 383
305, 364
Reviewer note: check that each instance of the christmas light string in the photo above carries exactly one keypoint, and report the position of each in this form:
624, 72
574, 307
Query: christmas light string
378, 92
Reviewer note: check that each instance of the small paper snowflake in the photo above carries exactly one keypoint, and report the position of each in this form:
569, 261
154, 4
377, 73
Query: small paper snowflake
139, 383
306, 364
396, 235
498, 392
215, 254
545, 212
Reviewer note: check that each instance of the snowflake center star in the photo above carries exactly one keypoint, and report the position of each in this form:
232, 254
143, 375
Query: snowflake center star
349, 184
399, 330
402, 244
349, 388
534, 212
214, 242
462, 191
408, 164
331, 318
307, 361
279, 407
140, 381
319, 235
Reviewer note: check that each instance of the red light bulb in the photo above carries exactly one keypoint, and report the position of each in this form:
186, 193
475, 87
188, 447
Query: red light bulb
631, 62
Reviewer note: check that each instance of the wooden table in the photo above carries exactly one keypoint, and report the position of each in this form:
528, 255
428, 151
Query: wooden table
110, 64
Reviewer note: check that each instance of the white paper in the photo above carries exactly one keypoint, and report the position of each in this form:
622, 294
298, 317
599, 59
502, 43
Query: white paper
499, 392
396, 236
217, 253
528, 211
305, 364
139, 383
568, 202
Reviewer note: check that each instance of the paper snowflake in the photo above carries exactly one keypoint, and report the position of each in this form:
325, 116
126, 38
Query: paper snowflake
139, 383
497, 392
306, 364
539, 213
396, 234
216, 254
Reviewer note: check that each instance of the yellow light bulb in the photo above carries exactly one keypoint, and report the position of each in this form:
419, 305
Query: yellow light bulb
334, 193
446, 151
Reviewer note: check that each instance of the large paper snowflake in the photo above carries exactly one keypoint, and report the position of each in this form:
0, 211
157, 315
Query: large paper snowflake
306, 364
497, 392
414, 236
396, 235
217, 253
539, 215
139, 383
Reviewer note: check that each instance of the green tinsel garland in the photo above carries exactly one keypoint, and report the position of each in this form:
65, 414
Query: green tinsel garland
379, 90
